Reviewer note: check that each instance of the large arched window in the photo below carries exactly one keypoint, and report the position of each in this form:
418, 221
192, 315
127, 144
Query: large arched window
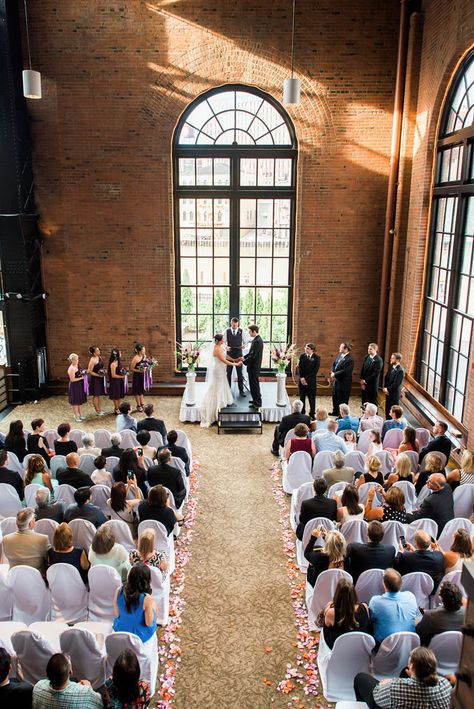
234, 158
449, 296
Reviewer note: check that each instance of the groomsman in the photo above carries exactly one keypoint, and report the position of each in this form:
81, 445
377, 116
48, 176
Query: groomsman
235, 339
341, 377
393, 382
370, 374
308, 367
253, 362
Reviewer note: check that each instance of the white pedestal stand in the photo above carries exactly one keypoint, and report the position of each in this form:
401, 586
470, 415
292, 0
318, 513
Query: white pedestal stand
190, 395
281, 389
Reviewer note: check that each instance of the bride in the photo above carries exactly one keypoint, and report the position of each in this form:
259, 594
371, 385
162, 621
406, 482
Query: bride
218, 394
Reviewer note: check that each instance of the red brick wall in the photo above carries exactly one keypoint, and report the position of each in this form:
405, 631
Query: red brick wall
116, 77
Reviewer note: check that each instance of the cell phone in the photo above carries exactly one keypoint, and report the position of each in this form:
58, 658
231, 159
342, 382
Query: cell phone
140, 452
403, 541
129, 474
433, 540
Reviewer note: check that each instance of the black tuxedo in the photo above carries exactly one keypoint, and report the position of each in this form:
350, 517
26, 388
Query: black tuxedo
370, 373
438, 506
152, 424
235, 342
11, 477
393, 382
165, 474
253, 362
308, 368
342, 368
74, 477
440, 444
317, 506
373, 555
426, 560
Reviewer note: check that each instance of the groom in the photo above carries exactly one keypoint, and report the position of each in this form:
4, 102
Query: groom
253, 362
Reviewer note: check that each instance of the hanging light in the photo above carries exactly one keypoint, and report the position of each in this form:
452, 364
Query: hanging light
292, 86
31, 78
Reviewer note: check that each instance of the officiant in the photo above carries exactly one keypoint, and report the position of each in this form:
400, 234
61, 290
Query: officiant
234, 338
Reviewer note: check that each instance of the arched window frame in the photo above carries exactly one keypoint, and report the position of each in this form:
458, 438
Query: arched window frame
235, 192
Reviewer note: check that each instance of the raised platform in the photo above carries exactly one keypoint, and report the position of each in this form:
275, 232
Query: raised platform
270, 411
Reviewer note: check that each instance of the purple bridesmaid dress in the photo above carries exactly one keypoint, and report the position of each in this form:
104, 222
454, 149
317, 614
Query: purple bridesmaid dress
138, 382
77, 395
96, 384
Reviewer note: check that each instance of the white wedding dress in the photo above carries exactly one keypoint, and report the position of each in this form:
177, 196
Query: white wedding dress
217, 395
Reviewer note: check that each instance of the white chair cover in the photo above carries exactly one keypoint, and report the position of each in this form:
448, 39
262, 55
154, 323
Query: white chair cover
88, 660
163, 541
6, 600
69, 596
392, 532
31, 598
386, 460
304, 492
57, 462
355, 530
452, 577
441, 455
30, 492
422, 495
7, 629
87, 463
423, 436
103, 582
156, 439
99, 629
446, 537
323, 460
179, 465
370, 583
393, 653
309, 527
65, 494
8, 526
147, 462
393, 438
46, 526
111, 462
122, 533
296, 471
290, 434
129, 439
323, 592
364, 493
102, 438
147, 654
428, 525
25, 463
364, 441
131, 494
83, 533
413, 456
355, 460
10, 503
51, 435
410, 493
33, 651
51, 631
183, 441
99, 496
447, 649
336, 489
160, 590
14, 464
76, 436
350, 655
421, 585
464, 500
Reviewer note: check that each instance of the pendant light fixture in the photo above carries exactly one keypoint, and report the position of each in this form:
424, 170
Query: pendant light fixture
31, 78
292, 86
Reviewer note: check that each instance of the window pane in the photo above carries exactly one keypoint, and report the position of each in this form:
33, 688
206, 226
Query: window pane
221, 242
282, 172
466, 337
264, 242
221, 300
281, 242
247, 271
204, 270
204, 212
188, 270
205, 328
264, 271
188, 300
222, 171
247, 300
186, 171
282, 213
280, 300
204, 242
221, 212
279, 329
265, 212
187, 242
205, 297
204, 171
247, 242
221, 271
266, 169
248, 213
248, 172
280, 271
450, 164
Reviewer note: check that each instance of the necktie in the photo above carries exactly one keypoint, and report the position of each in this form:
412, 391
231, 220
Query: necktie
234, 332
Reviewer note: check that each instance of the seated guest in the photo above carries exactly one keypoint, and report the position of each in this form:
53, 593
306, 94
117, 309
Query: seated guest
433, 465
344, 614
287, 424
396, 420
135, 609
422, 688
177, 451
88, 446
393, 507
300, 442
461, 550
330, 556
465, 474
449, 616
105, 550
64, 552
46, 508
372, 555
373, 474
37, 443
317, 506
439, 506
131, 465
25, 547
370, 419
62, 445
350, 508
322, 418
150, 423
125, 688
124, 420
15, 440
395, 610
114, 448
101, 476
59, 692
346, 421
350, 440
146, 552
421, 557
156, 507
143, 439
73, 475
440, 443
329, 440
10, 477
84, 509
375, 444
402, 471
409, 442
14, 693
37, 474
165, 474
339, 473
120, 506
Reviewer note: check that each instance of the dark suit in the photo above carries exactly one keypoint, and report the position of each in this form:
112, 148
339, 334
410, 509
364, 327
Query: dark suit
438, 507
152, 424
74, 477
286, 424
370, 373
373, 555
426, 560
440, 444
342, 368
90, 512
253, 362
112, 450
10, 477
317, 506
393, 382
308, 368
235, 342
178, 452
171, 478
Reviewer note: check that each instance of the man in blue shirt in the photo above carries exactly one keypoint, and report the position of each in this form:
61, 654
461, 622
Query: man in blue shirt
397, 420
347, 421
395, 610
329, 440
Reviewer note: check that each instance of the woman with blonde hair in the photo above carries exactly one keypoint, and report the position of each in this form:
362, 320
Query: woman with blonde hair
433, 464
331, 556
64, 552
146, 552
77, 389
402, 471
373, 474
465, 474
37, 474
393, 507
322, 418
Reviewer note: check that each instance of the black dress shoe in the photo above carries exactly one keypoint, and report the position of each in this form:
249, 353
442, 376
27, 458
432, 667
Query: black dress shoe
250, 402
242, 393
333, 413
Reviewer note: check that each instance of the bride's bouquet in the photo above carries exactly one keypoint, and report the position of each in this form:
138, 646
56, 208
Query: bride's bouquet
147, 363
283, 356
188, 356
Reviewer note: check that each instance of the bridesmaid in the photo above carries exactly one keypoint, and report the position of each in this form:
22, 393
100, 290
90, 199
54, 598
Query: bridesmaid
97, 381
117, 380
77, 394
138, 382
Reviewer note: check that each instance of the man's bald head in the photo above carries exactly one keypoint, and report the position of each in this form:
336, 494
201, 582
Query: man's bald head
73, 460
437, 481
392, 580
422, 540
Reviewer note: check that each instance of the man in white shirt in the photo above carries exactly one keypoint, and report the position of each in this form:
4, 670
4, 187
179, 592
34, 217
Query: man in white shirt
370, 419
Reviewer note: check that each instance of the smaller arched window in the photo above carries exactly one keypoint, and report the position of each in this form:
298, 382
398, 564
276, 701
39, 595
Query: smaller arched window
449, 292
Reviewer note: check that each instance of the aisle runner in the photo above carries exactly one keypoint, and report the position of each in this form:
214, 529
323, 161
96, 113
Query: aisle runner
169, 641
305, 675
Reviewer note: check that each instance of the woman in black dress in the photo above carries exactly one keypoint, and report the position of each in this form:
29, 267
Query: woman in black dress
37, 443
116, 379
96, 372
15, 440
138, 381
344, 614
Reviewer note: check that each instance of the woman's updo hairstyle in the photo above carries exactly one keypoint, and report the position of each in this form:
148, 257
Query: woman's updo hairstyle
138, 348
72, 356
92, 349
218, 337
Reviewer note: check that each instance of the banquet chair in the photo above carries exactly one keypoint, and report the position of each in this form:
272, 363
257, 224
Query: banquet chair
350, 655
452, 577
48, 527
156, 440
10, 503
393, 438
364, 441
102, 438
6, 599
423, 436
7, 629
386, 461
369, 583
65, 493
309, 527
323, 460
34, 649
83, 532
163, 541
122, 533
421, 585
160, 590
446, 537
87, 463
31, 597
392, 531
336, 489
56, 463
464, 500
129, 439
30, 494
111, 462
428, 525
99, 496
364, 493
296, 471
409, 492
76, 435
103, 583
88, 659
443, 461
183, 441
303, 492
14, 464
69, 596
355, 460
413, 457
355, 530
147, 654
422, 495
392, 655
323, 592
51, 435
447, 650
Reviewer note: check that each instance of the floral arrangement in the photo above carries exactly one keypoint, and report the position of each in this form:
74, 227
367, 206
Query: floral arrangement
123, 371
147, 363
188, 356
283, 356
101, 372
81, 372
